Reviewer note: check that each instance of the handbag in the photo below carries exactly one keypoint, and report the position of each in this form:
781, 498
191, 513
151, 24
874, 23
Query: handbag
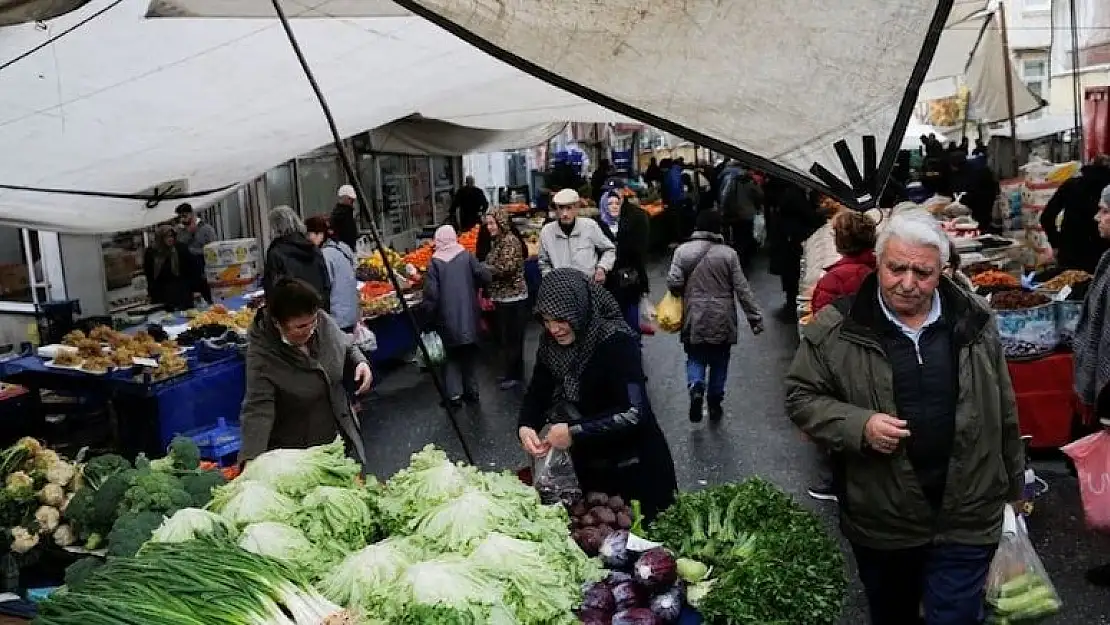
626, 278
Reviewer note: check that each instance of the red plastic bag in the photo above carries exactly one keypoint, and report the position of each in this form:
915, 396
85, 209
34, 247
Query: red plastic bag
1091, 455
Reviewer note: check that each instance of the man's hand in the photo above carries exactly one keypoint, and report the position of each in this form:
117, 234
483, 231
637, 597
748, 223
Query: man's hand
558, 436
599, 275
757, 328
531, 442
363, 377
883, 432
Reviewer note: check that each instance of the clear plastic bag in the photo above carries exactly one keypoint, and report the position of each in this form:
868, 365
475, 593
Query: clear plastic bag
436, 352
1091, 455
365, 338
1018, 588
554, 478
647, 311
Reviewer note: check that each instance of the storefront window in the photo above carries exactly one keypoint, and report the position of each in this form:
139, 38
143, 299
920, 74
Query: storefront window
367, 174
406, 193
319, 179
125, 283
16, 264
279, 186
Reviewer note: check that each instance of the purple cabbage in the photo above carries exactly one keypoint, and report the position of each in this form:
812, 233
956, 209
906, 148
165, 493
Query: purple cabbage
629, 595
598, 597
656, 568
614, 550
636, 616
667, 605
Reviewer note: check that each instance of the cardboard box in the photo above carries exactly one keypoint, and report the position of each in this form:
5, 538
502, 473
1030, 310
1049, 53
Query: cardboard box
229, 273
233, 252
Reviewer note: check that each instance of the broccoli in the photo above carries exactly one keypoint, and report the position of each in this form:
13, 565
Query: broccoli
94, 511
131, 531
80, 570
100, 468
199, 485
93, 542
155, 492
181, 455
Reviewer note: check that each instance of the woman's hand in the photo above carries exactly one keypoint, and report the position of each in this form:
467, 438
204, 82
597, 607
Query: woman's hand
558, 436
532, 443
363, 377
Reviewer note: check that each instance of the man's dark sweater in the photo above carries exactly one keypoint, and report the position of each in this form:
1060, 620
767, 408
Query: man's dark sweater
467, 207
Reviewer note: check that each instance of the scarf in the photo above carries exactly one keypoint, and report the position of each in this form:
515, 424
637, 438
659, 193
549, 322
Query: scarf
568, 295
603, 206
447, 244
163, 252
1092, 337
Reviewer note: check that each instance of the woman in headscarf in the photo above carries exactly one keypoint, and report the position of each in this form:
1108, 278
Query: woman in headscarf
171, 273
626, 225
340, 262
451, 307
292, 255
509, 292
588, 390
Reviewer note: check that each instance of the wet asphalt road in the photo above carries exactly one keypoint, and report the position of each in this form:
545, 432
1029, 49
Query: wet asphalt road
755, 438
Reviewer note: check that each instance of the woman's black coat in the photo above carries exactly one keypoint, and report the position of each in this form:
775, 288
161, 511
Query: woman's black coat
617, 446
632, 238
175, 292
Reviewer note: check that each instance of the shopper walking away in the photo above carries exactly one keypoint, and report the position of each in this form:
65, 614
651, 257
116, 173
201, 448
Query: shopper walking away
907, 383
791, 219
172, 276
653, 175
468, 205
292, 255
451, 306
1092, 347
340, 262
854, 234
706, 274
295, 395
344, 222
627, 225
587, 390
509, 293
1076, 241
194, 233
741, 200
575, 242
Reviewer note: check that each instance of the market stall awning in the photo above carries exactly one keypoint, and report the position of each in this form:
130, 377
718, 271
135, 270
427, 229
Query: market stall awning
209, 93
1029, 129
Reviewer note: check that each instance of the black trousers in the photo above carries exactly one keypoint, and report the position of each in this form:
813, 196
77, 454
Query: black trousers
512, 319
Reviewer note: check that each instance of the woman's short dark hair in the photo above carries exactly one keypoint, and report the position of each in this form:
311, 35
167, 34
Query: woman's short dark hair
290, 298
853, 232
318, 224
708, 221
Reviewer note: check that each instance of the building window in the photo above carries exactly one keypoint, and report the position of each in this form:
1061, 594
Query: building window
21, 278
279, 186
1036, 6
124, 281
1034, 73
318, 178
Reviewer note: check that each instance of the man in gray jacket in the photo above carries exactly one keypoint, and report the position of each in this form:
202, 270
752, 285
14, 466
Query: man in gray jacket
706, 274
576, 242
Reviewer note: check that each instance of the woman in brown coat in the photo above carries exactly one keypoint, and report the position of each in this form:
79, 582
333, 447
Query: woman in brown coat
295, 361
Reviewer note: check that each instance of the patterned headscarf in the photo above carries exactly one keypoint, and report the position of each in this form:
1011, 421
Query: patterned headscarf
164, 252
568, 295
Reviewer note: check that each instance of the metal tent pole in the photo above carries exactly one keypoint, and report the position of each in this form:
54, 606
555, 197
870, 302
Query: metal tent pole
352, 175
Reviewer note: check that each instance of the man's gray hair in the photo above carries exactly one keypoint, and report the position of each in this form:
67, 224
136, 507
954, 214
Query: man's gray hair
915, 228
284, 221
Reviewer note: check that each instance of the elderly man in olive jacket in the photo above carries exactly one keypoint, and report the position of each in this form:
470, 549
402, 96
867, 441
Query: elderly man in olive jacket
907, 385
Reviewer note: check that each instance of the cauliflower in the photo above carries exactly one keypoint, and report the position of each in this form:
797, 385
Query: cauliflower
48, 518
44, 459
60, 473
64, 536
30, 444
20, 486
23, 540
52, 495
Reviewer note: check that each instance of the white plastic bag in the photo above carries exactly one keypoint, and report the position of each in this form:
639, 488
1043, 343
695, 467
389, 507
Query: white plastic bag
365, 338
647, 311
1018, 588
434, 345
759, 229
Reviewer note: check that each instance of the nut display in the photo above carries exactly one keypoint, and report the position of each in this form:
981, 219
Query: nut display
1017, 300
1070, 277
1020, 349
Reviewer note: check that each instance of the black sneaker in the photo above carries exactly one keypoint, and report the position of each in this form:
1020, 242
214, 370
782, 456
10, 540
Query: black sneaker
716, 410
823, 492
697, 397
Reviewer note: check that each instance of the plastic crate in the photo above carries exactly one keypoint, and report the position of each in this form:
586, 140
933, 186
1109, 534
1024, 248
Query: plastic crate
219, 442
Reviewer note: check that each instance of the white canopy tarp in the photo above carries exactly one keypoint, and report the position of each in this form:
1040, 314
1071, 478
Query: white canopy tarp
126, 102
1037, 128
911, 139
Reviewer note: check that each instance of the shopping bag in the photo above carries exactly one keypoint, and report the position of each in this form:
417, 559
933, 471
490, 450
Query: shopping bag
1018, 588
554, 478
1091, 455
365, 339
759, 230
647, 311
669, 313
434, 345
